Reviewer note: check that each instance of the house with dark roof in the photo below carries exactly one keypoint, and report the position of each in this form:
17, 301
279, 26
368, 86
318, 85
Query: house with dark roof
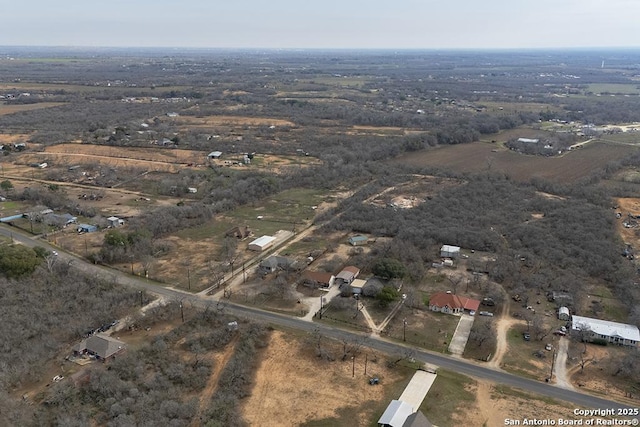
417, 419
318, 278
100, 345
446, 302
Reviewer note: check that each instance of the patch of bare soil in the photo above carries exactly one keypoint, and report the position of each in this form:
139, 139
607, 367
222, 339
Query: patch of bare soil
292, 384
502, 328
493, 408
6, 138
412, 193
205, 121
550, 196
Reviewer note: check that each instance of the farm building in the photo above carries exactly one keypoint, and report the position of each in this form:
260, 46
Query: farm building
396, 414
261, 243
347, 275
114, 221
318, 278
563, 313
612, 332
241, 232
528, 140
87, 228
357, 285
100, 345
446, 302
358, 240
448, 251
214, 155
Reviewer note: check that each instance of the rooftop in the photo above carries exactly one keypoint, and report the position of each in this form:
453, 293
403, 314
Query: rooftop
607, 328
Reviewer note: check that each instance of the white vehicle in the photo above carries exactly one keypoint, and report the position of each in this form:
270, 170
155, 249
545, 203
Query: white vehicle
58, 378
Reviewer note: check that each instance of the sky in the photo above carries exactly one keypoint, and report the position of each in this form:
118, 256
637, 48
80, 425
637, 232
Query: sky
331, 24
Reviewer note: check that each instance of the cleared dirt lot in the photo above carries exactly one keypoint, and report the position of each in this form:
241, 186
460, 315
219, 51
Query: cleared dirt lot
478, 157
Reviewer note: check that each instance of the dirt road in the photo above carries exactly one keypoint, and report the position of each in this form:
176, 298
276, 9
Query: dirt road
560, 365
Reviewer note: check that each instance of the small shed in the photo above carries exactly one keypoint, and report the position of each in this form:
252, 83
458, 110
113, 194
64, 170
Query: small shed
87, 228
448, 251
215, 154
358, 240
261, 243
563, 313
114, 221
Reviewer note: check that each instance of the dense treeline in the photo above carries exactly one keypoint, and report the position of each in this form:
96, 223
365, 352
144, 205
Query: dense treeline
539, 241
45, 312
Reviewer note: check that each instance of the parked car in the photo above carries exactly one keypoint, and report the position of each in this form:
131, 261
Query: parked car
472, 313
526, 336
58, 378
486, 313
548, 347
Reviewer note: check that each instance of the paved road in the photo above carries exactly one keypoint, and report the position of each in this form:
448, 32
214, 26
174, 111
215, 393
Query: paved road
378, 344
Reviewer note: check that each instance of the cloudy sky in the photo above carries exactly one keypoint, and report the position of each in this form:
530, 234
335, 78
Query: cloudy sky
395, 24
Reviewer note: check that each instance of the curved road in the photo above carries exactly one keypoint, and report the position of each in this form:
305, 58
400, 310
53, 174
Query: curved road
457, 365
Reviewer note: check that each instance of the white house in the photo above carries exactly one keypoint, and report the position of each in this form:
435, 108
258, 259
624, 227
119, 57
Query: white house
261, 243
448, 251
612, 332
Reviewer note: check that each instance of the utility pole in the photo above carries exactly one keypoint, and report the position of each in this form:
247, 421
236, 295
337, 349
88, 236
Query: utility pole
404, 329
182, 312
366, 359
353, 367
189, 277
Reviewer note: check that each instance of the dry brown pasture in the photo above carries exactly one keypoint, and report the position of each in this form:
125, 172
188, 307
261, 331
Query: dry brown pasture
192, 122
16, 108
479, 157
6, 138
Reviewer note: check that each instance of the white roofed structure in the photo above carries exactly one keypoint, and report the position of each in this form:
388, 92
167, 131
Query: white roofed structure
448, 251
261, 243
396, 414
612, 332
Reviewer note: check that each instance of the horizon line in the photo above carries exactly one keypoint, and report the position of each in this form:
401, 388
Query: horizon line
300, 49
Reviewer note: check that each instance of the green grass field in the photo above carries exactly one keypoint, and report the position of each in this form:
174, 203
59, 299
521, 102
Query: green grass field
614, 88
